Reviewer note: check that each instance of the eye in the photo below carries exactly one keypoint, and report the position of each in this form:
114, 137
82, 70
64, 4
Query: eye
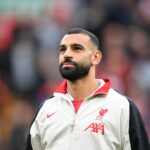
77, 48
62, 49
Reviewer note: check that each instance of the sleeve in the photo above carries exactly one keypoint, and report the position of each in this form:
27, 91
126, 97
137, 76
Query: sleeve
137, 133
33, 141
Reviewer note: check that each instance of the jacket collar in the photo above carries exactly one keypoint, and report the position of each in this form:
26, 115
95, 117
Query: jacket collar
102, 90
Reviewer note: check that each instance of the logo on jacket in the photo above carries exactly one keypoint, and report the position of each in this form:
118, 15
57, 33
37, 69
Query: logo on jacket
101, 114
50, 114
96, 127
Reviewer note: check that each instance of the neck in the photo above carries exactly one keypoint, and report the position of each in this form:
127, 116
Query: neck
82, 88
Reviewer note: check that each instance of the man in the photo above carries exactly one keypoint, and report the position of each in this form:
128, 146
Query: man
84, 112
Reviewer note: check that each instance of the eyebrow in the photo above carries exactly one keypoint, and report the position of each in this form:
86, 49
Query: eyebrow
63, 45
73, 45
79, 45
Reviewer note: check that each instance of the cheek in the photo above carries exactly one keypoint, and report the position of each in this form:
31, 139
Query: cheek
87, 60
60, 59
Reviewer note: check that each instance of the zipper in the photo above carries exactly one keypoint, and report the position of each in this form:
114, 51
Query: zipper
72, 125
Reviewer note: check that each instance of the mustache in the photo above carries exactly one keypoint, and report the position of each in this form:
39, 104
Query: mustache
68, 60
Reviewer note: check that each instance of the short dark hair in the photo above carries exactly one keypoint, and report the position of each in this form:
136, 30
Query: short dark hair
92, 37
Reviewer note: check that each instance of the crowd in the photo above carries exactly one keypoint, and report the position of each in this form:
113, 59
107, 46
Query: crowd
29, 50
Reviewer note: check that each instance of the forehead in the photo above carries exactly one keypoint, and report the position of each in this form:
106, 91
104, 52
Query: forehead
75, 38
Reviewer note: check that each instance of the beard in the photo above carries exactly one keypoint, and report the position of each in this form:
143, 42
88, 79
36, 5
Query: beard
75, 72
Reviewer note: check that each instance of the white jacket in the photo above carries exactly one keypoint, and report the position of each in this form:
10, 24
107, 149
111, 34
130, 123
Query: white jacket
103, 122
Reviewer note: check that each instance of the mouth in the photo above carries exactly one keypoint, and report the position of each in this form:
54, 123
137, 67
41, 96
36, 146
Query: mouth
68, 64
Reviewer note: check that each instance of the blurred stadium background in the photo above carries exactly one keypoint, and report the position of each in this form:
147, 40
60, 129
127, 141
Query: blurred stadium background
30, 32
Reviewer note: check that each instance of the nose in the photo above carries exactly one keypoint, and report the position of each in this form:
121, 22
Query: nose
68, 53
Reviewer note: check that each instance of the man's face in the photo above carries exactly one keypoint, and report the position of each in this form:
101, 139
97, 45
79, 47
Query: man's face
75, 56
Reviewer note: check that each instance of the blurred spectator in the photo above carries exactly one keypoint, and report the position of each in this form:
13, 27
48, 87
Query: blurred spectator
8, 25
139, 43
115, 35
115, 39
143, 13
117, 68
140, 48
5, 113
124, 11
23, 61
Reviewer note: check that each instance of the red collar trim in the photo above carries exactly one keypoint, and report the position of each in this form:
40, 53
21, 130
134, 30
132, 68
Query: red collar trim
62, 88
102, 90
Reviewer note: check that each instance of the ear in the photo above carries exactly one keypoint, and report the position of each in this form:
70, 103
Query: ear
96, 57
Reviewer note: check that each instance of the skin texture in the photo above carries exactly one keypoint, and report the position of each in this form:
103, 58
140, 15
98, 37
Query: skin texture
79, 49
